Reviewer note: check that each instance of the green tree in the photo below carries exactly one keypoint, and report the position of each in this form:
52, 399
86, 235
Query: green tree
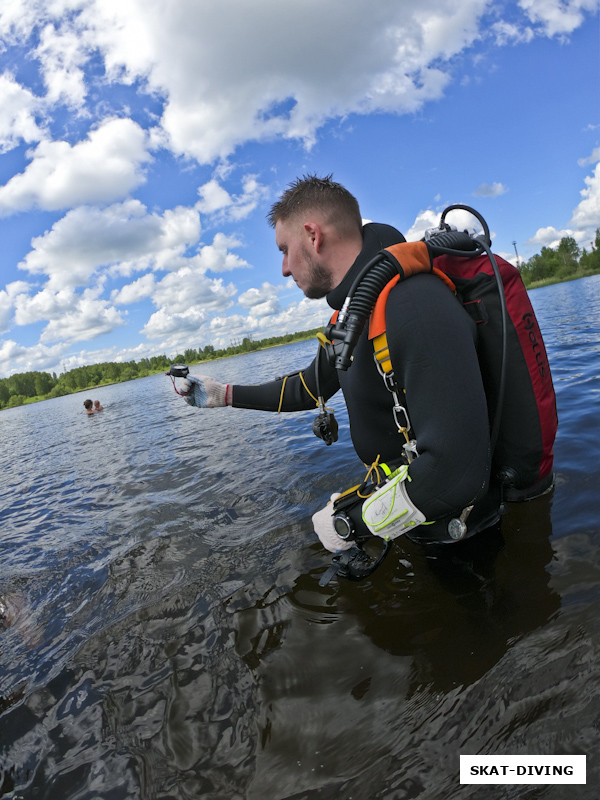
4, 392
568, 252
16, 400
590, 262
43, 383
22, 384
59, 390
541, 266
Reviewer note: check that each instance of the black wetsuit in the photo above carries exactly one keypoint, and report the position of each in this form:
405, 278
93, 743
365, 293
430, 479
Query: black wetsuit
432, 347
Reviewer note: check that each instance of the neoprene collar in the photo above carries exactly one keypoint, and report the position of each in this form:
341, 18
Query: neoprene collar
376, 236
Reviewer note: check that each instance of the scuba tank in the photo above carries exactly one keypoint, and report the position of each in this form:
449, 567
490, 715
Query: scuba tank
512, 357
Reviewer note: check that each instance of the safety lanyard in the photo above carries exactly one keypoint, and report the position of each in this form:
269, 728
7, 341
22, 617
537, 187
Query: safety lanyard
401, 418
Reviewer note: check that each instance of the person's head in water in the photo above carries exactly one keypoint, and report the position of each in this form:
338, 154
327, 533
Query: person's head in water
318, 229
89, 407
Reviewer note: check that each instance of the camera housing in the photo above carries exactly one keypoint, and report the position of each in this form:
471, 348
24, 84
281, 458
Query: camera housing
178, 371
325, 427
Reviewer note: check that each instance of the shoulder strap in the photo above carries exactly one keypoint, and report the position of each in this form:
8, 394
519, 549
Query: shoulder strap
377, 324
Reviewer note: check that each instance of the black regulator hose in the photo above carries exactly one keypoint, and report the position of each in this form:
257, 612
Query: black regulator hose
485, 237
454, 243
362, 296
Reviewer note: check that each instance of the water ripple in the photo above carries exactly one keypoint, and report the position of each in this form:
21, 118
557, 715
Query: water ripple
164, 634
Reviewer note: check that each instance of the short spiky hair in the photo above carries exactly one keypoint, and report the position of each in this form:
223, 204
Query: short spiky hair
317, 194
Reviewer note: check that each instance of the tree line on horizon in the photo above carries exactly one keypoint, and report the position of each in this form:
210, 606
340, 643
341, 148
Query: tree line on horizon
565, 262
27, 387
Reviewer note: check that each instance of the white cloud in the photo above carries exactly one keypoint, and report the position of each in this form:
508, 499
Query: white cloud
263, 302
187, 287
510, 33
134, 292
490, 190
70, 316
186, 300
8, 297
43, 305
557, 17
62, 57
216, 256
18, 114
177, 326
586, 215
593, 158
104, 167
254, 297
87, 320
194, 327
387, 50
301, 316
548, 237
124, 235
268, 308
425, 219
213, 198
213, 103
218, 203
5, 311
364, 58
15, 357
18, 17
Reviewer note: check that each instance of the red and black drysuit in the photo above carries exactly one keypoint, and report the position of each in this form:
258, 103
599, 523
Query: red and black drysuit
431, 341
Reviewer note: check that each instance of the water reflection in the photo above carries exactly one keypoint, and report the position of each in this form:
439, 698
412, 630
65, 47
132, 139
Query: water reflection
165, 635
422, 628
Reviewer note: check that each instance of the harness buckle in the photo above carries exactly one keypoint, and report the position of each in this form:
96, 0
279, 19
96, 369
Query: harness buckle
410, 450
398, 410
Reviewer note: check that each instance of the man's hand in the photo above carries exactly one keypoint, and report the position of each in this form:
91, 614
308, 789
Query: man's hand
323, 525
204, 392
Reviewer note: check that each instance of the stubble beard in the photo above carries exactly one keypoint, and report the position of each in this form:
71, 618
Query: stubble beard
320, 280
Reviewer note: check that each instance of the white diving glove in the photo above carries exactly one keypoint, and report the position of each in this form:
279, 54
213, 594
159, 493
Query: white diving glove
389, 512
323, 524
204, 392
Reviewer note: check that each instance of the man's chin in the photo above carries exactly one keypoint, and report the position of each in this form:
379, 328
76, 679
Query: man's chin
315, 293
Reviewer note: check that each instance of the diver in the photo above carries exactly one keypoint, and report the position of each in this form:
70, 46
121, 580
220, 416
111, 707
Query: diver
425, 438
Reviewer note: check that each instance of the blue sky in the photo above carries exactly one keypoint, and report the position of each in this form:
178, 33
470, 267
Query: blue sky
142, 143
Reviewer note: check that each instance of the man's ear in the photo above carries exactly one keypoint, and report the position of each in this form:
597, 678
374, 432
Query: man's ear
314, 233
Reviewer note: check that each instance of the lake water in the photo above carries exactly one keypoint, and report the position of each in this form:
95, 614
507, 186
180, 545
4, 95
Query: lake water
170, 639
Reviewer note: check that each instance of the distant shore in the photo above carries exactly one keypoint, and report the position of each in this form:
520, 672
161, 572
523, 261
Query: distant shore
215, 355
18, 389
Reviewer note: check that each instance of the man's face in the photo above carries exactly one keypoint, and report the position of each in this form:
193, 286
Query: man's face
300, 259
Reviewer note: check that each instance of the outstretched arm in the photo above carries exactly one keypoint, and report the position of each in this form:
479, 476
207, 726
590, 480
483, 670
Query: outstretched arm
298, 391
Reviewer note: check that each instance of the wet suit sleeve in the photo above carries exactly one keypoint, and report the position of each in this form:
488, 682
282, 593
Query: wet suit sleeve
432, 347
274, 396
